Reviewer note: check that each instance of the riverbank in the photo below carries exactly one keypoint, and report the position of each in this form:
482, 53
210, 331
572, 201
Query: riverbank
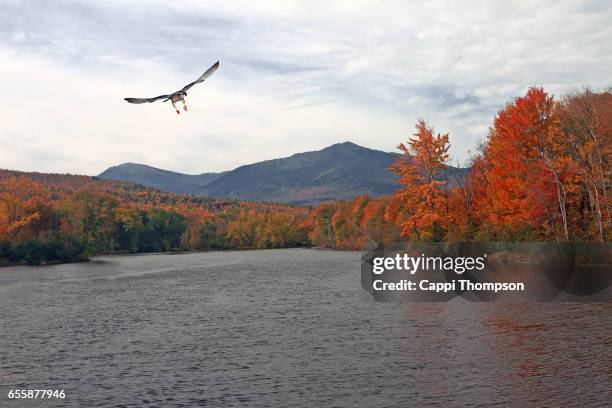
40, 256
38, 252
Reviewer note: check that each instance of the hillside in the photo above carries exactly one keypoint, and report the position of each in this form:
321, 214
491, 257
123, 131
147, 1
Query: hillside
50, 218
164, 180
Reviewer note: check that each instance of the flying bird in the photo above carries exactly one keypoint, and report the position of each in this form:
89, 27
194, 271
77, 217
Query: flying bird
178, 96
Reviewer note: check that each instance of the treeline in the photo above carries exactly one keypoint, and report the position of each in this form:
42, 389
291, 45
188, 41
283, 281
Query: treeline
543, 174
60, 218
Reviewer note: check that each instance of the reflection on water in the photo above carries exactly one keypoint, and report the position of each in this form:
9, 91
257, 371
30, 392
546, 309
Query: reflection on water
284, 328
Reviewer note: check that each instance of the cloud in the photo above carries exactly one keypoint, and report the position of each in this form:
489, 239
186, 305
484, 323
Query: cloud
294, 76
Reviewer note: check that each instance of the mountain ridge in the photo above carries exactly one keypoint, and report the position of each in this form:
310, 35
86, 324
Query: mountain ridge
165, 180
337, 172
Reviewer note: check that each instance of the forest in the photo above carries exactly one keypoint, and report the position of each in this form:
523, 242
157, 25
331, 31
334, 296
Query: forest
542, 174
49, 218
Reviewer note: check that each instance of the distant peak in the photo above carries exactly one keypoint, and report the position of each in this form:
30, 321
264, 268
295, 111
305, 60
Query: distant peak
130, 164
345, 145
349, 147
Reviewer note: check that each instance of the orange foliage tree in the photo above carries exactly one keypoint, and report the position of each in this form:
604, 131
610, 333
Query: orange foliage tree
421, 201
518, 195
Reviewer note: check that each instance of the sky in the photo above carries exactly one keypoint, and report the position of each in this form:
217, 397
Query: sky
294, 76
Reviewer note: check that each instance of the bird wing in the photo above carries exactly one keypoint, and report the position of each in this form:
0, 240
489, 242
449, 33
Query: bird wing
145, 100
205, 75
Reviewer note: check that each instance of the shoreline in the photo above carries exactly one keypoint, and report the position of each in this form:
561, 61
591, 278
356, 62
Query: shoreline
93, 258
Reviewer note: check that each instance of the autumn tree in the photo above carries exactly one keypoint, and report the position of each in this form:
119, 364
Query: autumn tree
320, 225
422, 197
518, 194
585, 142
24, 208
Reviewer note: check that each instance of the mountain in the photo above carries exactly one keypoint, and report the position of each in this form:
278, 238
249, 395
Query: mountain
340, 171
164, 180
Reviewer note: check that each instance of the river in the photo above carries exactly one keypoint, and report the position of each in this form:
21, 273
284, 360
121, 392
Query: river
283, 328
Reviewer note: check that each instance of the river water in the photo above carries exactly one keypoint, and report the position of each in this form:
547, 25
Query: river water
283, 328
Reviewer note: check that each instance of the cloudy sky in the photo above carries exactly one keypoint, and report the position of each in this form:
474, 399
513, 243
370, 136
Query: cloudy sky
293, 77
